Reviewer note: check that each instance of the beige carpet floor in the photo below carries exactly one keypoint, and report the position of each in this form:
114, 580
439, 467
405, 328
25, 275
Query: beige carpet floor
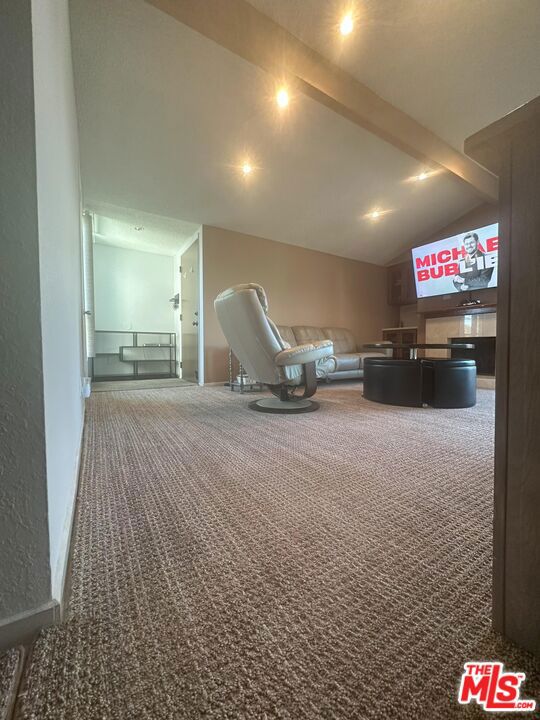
10, 669
230, 564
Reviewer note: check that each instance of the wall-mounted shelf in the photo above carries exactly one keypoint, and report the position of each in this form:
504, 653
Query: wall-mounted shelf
128, 355
460, 310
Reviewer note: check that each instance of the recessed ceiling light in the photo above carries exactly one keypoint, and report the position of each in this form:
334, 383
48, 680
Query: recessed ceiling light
247, 168
282, 97
375, 214
422, 176
347, 24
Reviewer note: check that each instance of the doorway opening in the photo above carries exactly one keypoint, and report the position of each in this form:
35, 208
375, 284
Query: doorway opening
146, 313
190, 319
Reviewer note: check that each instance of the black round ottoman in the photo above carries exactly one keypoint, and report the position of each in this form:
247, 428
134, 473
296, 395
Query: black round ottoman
393, 382
449, 383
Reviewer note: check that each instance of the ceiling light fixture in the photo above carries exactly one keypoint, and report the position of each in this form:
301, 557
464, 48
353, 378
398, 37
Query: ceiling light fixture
282, 97
346, 25
375, 214
138, 228
422, 176
247, 169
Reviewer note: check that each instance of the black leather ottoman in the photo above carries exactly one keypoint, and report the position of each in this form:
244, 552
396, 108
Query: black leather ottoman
449, 383
393, 382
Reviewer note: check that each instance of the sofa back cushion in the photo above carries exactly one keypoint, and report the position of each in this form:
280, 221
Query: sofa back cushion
287, 335
342, 338
307, 334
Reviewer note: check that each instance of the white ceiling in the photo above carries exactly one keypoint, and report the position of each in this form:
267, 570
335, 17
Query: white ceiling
136, 230
165, 115
455, 66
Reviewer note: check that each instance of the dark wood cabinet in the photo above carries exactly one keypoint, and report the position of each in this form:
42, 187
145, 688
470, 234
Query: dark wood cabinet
400, 335
401, 288
510, 148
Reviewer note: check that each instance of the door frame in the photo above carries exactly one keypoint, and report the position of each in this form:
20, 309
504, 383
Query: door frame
198, 235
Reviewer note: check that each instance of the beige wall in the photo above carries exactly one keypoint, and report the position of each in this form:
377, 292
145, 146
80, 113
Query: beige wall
304, 287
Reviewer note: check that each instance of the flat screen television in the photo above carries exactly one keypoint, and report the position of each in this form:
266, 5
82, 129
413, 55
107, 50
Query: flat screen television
461, 263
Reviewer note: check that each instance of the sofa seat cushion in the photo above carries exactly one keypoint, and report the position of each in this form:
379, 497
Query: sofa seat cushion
347, 361
342, 338
352, 361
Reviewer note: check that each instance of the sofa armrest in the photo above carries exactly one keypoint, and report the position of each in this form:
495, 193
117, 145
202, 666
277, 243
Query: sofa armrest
302, 354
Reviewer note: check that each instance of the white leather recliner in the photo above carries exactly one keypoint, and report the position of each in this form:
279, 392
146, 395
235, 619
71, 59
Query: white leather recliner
267, 358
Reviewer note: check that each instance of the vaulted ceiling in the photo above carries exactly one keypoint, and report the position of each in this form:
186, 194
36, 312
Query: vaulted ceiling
453, 65
167, 116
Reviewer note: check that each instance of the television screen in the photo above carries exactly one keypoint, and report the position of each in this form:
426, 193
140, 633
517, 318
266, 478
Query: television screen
462, 263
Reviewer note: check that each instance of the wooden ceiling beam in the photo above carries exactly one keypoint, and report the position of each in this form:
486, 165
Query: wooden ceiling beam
242, 29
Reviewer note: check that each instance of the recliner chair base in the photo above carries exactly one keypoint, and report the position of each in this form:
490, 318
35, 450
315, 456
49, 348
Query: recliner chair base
285, 402
284, 407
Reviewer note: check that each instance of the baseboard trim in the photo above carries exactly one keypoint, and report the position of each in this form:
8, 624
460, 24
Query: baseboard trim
485, 382
63, 601
20, 629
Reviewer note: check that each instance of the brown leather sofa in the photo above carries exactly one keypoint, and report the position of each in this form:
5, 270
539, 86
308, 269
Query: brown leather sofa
348, 359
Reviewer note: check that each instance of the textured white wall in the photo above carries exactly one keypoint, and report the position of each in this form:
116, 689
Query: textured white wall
24, 542
59, 216
132, 290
